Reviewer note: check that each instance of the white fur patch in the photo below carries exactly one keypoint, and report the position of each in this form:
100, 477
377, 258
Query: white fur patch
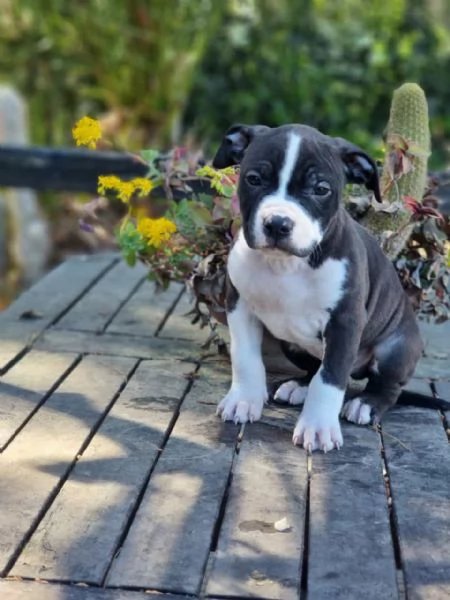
290, 160
248, 393
318, 426
357, 412
291, 392
306, 232
286, 294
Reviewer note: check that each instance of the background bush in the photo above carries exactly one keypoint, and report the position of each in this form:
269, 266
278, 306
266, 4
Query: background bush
161, 68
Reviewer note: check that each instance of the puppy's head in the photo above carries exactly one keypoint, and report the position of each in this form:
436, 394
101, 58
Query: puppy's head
291, 182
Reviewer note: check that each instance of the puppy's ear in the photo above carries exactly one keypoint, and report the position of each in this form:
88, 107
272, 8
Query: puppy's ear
234, 144
359, 166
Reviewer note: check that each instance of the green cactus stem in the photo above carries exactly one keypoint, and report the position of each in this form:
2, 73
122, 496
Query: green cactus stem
405, 168
407, 145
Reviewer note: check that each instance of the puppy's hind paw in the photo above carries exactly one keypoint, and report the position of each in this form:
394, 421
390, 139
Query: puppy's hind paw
291, 392
357, 411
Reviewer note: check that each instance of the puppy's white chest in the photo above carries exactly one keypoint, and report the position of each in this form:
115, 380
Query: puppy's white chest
289, 297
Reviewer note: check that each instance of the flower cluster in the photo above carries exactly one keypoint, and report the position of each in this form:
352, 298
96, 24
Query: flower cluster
87, 132
202, 222
124, 189
156, 231
221, 181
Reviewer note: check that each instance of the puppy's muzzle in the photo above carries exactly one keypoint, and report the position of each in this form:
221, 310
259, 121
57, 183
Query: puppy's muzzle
277, 228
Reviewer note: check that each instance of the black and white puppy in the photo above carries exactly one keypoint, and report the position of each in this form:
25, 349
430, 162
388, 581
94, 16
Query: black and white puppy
319, 282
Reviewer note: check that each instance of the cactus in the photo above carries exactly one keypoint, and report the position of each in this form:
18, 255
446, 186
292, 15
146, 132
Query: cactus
407, 141
405, 168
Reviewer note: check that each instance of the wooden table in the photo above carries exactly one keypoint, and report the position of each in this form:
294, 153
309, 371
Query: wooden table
118, 482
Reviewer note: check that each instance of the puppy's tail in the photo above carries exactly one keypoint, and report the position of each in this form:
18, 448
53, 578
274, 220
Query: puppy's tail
421, 401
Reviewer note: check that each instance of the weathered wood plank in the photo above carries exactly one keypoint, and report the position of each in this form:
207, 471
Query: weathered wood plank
168, 544
42, 453
41, 305
101, 302
269, 486
24, 386
32, 590
442, 388
418, 457
79, 534
419, 386
179, 326
351, 553
145, 310
435, 362
443, 391
59, 288
14, 340
115, 345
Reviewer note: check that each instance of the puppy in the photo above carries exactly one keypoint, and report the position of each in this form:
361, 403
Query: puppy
319, 282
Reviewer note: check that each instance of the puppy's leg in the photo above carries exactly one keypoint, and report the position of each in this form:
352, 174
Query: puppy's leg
248, 393
394, 361
300, 358
318, 425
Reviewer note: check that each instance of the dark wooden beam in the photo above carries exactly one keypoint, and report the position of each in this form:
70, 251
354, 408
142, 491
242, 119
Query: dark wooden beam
64, 169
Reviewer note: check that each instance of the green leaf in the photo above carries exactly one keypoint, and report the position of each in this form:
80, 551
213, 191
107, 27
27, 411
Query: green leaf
201, 215
228, 190
150, 155
130, 258
206, 199
130, 240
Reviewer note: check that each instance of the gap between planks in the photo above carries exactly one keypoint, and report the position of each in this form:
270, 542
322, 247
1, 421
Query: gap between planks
392, 519
445, 416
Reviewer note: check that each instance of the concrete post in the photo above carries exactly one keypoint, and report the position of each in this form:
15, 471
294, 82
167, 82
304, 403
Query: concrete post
24, 234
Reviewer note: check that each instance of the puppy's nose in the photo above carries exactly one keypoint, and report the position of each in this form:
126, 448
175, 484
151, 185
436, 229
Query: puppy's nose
278, 227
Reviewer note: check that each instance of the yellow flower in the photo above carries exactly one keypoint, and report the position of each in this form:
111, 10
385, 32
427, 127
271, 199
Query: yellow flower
87, 132
208, 171
142, 186
124, 189
156, 231
108, 182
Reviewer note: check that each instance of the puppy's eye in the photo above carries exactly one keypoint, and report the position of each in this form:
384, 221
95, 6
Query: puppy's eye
323, 188
253, 179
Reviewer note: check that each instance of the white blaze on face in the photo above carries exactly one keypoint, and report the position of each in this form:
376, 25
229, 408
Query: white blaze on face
307, 231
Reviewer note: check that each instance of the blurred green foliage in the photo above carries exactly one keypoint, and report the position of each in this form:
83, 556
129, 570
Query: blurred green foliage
333, 65
169, 66
136, 57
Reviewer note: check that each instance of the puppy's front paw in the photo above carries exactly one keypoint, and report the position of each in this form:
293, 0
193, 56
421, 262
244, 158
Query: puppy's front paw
318, 431
241, 406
